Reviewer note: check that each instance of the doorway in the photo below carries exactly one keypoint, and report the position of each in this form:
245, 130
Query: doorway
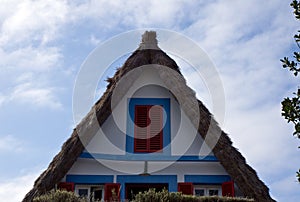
133, 189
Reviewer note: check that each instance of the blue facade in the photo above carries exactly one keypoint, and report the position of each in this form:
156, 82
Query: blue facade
150, 157
90, 179
207, 179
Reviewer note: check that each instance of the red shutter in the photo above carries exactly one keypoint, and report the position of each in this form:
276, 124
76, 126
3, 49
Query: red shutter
140, 128
186, 188
155, 130
148, 136
228, 189
68, 186
111, 188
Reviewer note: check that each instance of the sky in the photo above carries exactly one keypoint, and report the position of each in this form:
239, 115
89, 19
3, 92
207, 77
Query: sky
44, 42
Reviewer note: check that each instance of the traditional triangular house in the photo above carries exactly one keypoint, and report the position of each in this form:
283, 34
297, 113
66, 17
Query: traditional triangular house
154, 134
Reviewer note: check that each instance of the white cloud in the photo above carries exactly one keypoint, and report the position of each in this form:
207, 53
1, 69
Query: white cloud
262, 136
42, 97
30, 21
30, 89
31, 59
25, 77
27, 60
9, 143
15, 189
110, 15
94, 40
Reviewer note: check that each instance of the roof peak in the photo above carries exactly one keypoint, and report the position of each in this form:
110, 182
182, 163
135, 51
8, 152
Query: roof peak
149, 41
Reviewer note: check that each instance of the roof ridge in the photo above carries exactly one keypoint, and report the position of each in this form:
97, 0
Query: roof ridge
149, 41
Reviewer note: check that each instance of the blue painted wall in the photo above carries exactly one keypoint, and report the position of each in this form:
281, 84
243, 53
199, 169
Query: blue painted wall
169, 179
153, 157
90, 179
207, 179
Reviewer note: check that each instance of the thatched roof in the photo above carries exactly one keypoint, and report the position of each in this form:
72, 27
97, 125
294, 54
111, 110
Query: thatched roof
230, 158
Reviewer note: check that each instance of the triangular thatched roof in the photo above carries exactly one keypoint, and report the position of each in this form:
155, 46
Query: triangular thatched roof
230, 158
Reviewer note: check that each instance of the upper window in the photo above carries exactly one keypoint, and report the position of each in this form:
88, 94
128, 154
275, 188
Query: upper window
148, 126
148, 133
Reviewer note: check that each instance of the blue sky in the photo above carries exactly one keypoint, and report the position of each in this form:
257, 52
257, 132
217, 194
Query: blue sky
44, 43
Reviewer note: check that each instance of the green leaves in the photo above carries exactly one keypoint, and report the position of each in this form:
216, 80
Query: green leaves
59, 196
291, 111
164, 196
297, 37
296, 5
291, 64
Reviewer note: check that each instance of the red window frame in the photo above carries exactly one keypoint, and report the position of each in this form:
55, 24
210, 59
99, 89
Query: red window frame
186, 188
148, 133
228, 189
108, 188
68, 186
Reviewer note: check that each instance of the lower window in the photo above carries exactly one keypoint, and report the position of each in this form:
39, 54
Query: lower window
83, 192
213, 192
207, 190
200, 192
91, 192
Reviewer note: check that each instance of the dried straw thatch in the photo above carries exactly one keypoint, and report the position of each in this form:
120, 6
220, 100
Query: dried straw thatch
231, 159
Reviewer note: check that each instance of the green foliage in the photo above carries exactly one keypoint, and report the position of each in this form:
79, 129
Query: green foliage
291, 111
59, 196
165, 196
292, 65
291, 106
296, 6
